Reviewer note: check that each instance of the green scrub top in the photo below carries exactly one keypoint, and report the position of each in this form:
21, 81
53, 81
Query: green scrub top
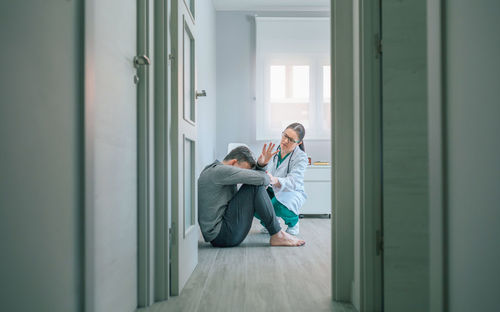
280, 160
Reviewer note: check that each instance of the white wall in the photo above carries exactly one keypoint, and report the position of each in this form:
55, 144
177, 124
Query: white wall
473, 128
236, 110
206, 62
41, 156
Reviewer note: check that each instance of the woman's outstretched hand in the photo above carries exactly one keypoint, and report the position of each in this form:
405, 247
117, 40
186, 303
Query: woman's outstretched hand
267, 154
274, 181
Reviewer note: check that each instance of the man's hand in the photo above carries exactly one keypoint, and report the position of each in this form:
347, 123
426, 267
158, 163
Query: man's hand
274, 181
267, 154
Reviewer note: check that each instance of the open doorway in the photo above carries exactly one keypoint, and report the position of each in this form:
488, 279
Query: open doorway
228, 114
296, 84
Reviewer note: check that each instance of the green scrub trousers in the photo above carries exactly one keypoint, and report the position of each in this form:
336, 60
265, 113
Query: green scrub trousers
281, 211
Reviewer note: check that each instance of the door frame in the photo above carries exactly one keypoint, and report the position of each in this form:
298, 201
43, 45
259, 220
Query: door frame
162, 156
438, 206
145, 200
370, 114
154, 232
89, 167
342, 150
154, 158
356, 153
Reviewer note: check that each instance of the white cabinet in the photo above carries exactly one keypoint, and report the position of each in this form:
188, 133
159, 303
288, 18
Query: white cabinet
317, 184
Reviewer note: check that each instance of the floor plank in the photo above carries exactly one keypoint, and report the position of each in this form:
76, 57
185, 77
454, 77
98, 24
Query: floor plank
257, 277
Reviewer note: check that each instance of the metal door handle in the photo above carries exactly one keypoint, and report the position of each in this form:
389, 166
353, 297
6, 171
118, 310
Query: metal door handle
141, 60
202, 93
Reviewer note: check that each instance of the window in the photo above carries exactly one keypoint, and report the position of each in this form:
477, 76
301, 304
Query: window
292, 76
327, 123
289, 94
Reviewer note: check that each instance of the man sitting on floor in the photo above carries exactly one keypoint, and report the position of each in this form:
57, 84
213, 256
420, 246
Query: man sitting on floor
225, 215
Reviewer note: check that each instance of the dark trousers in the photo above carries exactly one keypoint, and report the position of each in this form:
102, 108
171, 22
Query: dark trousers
237, 219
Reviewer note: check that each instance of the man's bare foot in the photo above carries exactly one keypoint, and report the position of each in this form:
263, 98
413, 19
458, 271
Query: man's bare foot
284, 239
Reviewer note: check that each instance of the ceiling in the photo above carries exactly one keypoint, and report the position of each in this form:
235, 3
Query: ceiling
271, 5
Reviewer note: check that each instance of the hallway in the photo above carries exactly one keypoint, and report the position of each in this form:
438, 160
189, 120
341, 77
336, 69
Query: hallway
255, 277
110, 110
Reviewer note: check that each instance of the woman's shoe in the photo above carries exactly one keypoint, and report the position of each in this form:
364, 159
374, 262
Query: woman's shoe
293, 230
263, 230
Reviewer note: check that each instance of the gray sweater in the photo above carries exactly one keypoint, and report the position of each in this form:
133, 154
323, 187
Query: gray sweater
216, 187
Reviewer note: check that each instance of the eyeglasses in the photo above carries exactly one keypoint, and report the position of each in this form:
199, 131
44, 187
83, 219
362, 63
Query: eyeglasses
290, 140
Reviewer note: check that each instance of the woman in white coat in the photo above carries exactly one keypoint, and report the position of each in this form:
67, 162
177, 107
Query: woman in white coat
286, 167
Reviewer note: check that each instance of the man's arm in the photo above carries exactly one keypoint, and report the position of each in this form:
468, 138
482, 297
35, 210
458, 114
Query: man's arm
230, 175
260, 168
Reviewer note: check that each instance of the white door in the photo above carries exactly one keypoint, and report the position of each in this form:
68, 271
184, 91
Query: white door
184, 197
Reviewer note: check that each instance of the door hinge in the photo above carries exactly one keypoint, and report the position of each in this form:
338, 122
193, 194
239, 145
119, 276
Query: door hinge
172, 232
200, 93
378, 46
380, 242
171, 59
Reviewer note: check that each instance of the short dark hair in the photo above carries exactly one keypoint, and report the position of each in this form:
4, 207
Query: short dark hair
241, 154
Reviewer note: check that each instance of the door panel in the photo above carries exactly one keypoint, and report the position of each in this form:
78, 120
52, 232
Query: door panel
189, 190
190, 6
184, 197
188, 72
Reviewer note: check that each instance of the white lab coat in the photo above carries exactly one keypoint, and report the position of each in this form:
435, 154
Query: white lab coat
291, 193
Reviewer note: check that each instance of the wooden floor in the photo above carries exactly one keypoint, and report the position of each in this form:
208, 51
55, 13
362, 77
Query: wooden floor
256, 277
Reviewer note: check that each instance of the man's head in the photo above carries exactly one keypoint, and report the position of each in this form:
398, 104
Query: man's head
240, 157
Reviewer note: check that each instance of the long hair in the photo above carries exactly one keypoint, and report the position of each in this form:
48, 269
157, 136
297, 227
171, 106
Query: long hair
301, 132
